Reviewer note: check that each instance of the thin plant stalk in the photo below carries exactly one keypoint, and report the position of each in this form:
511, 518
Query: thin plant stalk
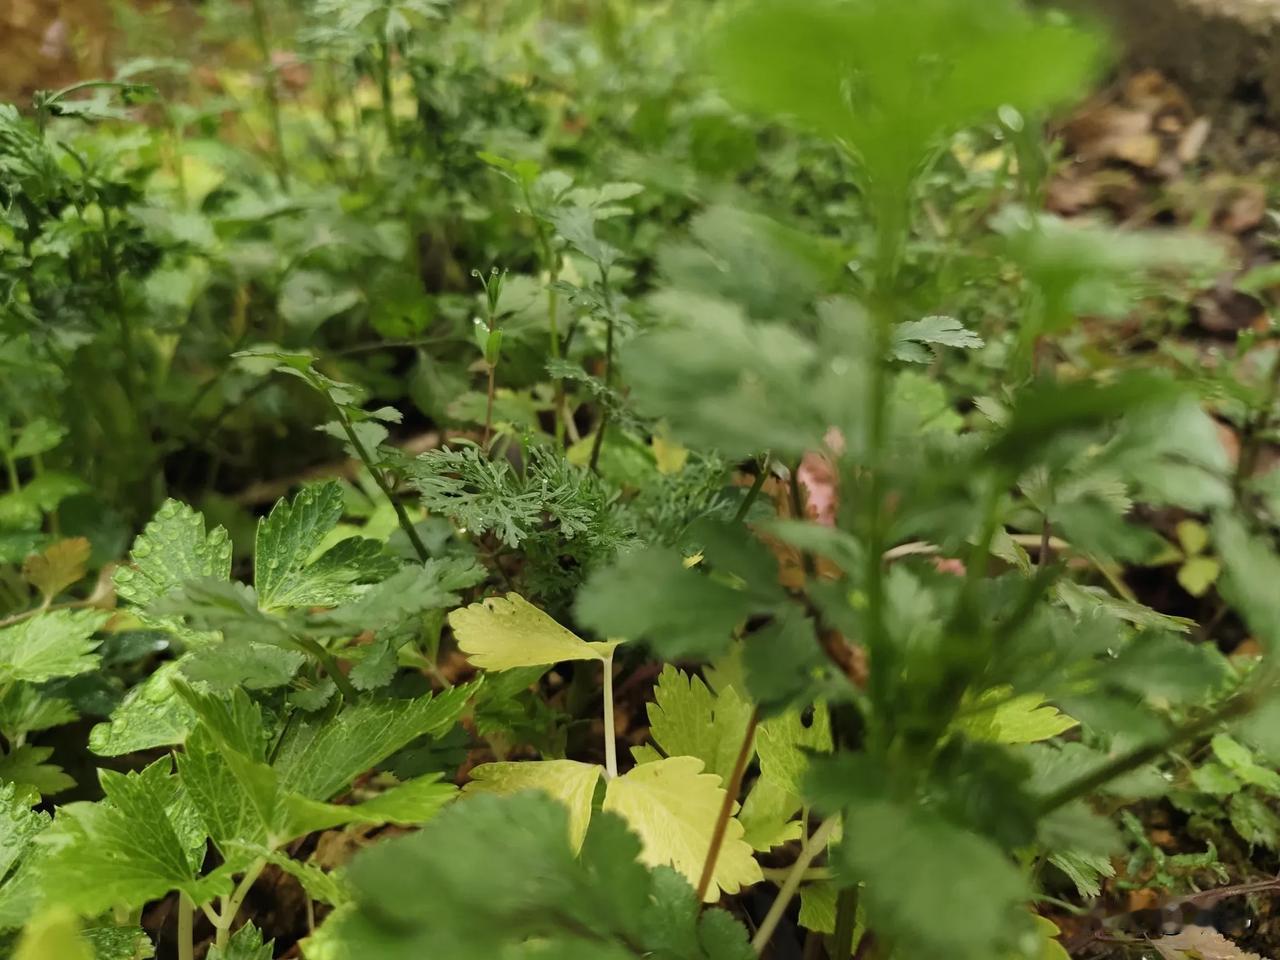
551, 262
846, 921
762, 474
186, 928
731, 790
488, 406
812, 847
230, 904
262, 36
1235, 706
610, 739
402, 517
608, 365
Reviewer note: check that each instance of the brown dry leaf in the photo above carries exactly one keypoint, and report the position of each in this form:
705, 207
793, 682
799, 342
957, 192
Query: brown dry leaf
1144, 899
1243, 208
1111, 132
1193, 140
58, 567
1200, 943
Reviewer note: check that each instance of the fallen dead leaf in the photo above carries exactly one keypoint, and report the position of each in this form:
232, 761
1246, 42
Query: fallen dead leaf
1200, 943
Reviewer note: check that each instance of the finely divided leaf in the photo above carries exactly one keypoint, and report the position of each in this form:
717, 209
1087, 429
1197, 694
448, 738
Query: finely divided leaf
673, 805
570, 782
505, 632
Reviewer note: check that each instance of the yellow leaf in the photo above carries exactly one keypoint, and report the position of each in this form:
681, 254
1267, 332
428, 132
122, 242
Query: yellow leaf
570, 782
1193, 537
1198, 574
53, 935
673, 806
502, 633
668, 454
58, 567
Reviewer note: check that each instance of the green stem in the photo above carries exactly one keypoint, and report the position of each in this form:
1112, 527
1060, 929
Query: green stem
11, 468
610, 740
762, 474
552, 264
262, 36
794, 876
330, 664
384, 89
231, 904
186, 928
846, 921
1246, 462
402, 517
1236, 706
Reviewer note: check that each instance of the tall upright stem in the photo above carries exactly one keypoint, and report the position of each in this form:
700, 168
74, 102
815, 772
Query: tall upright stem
186, 928
812, 847
402, 517
384, 89
731, 790
610, 738
262, 36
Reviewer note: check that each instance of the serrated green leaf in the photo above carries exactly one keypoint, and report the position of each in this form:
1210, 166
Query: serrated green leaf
237, 663
673, 806
1239, 760
818, 911
319, 759
767, 816
57, 643
434, 585
570, 782
1255, 820
151, 715
1252, 570
124, 850
785, 741
118, 943
1214, 779
172, 549
501, 633
407, 804
19, 826
27, 708
1085, 870
286, 572
1006, 719
245, 944
227, 808
687, 719
26, 767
